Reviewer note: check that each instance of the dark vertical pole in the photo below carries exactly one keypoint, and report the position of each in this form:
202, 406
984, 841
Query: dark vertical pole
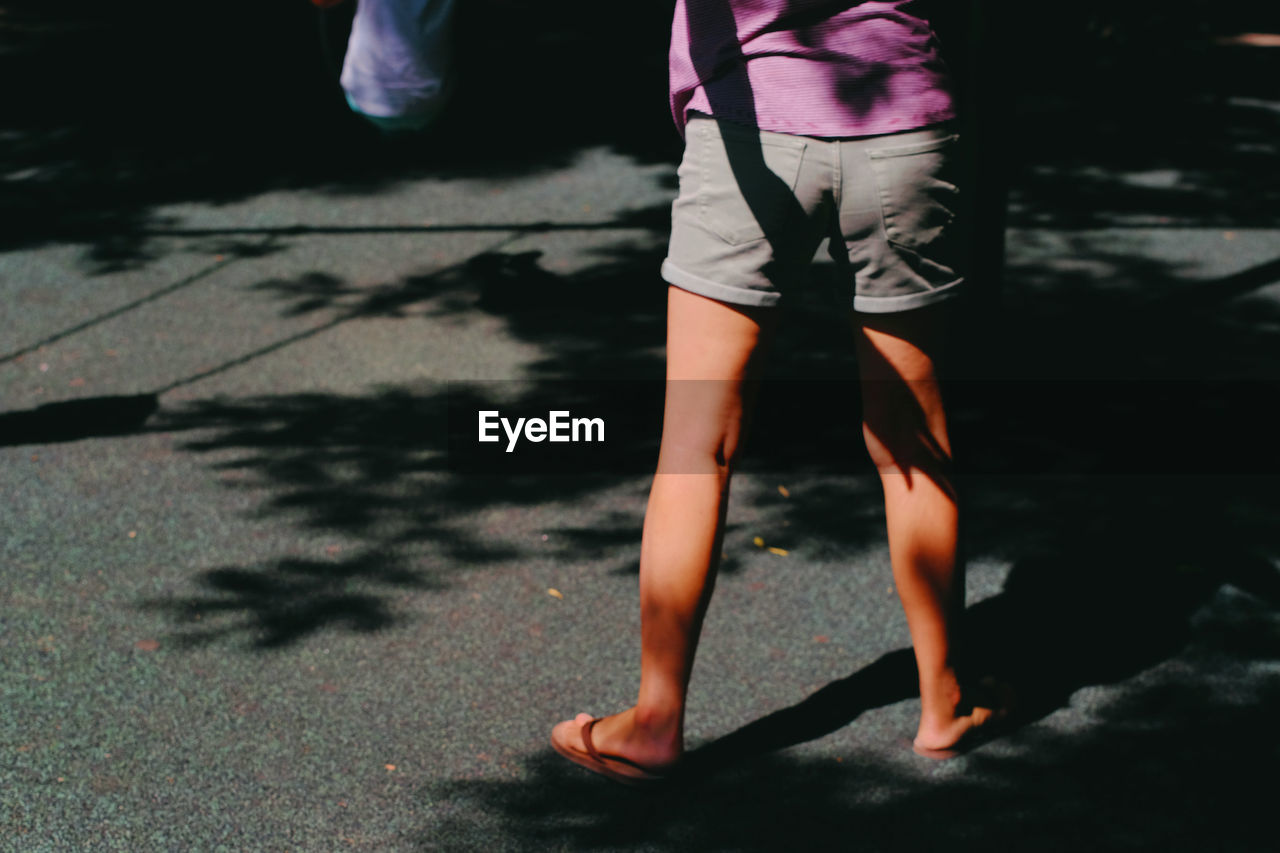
974, 44
988, 118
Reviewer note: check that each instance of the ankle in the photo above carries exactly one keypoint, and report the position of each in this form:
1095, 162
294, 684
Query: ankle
659, 724
941, 698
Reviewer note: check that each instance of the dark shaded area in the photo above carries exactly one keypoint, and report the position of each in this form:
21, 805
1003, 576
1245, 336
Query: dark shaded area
1165, 765
1183, 634
1099, 611
1110, 605
293, 599
1142, 88
811, 426
72, 420
123, 108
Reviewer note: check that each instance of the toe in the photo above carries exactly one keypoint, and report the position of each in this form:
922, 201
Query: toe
569, 732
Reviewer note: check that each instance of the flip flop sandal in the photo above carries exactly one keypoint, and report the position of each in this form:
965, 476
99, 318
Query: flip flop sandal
615, 767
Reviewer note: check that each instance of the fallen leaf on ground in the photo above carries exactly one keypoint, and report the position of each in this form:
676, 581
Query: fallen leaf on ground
758, 542
390, 767
147, 645
781, 552
555, 593
784, 491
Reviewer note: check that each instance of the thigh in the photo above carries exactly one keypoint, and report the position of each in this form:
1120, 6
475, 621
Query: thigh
713, 352
712, 340
904, 419
904, 346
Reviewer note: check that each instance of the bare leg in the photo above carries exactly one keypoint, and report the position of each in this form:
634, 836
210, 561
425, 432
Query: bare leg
711, 350
905, 428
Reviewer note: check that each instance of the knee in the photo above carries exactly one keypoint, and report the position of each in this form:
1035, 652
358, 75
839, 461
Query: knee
694, 454
882, 455
901, 448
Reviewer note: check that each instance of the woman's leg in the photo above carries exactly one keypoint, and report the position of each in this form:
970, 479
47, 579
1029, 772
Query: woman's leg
905, 427
711, 351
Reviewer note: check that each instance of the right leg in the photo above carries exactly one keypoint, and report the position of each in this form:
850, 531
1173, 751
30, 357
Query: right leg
712, 349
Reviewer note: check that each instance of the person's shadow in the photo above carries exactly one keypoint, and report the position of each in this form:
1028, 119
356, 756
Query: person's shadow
1097, 613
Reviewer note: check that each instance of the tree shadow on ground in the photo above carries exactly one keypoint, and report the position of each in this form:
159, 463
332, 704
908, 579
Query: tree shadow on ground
376, 468
371, 470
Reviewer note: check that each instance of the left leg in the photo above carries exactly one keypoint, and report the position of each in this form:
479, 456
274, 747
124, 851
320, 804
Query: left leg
905, 427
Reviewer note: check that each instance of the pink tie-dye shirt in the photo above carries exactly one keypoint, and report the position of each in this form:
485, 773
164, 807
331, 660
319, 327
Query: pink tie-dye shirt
809, 67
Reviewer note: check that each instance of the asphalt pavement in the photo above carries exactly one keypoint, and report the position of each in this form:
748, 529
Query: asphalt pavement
251, 601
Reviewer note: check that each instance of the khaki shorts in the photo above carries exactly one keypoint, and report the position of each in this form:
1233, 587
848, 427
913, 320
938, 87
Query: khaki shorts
755, 205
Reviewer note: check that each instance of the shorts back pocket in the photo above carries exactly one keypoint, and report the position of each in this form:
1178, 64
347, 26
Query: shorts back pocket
747, 181
917, 194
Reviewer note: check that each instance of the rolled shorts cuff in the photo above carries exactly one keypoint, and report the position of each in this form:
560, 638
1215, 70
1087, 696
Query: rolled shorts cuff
672, 274
907, 301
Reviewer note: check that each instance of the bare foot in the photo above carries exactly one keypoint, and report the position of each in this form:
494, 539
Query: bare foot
949, 738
